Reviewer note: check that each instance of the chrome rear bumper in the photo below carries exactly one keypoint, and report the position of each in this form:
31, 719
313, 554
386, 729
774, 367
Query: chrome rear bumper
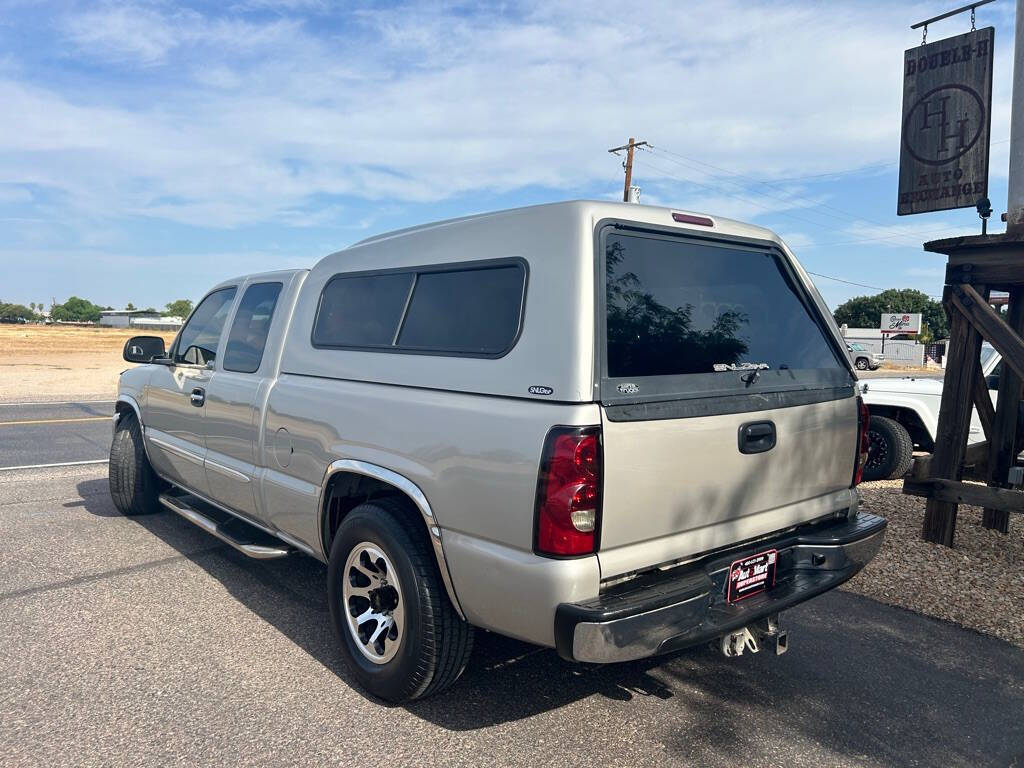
663, 612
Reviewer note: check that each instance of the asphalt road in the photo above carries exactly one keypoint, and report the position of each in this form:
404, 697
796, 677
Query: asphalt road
47, 433
146, 642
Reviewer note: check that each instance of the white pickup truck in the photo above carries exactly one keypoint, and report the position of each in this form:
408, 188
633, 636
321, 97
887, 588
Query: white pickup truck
905, 414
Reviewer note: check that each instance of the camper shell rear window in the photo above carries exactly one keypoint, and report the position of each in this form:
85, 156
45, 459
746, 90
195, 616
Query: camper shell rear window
687, 318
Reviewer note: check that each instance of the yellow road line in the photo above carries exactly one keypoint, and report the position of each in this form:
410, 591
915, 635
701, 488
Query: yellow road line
52, 421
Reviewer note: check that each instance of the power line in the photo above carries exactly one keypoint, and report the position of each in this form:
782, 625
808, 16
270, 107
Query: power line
848, 282
770, 209
861, 285
842, 215
733, 194
845, 171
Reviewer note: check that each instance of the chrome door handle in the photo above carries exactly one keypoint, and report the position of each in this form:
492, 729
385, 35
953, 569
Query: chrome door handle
198, 397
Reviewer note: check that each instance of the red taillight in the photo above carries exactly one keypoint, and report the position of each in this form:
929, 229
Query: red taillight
863, 442
569, 492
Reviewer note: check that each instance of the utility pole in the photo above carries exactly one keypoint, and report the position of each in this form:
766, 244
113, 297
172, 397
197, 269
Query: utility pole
629, 160
1015, 193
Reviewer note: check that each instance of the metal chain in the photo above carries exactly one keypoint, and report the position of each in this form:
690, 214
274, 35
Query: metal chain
924, 35
972, 20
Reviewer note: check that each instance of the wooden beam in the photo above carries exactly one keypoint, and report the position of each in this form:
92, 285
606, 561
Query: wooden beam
953, 492
1004, 439
987, 321
998, 268
975, 455
954, 422
983, 403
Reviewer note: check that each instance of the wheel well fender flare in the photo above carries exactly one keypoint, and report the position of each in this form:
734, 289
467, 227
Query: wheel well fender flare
122, 405
130, 402
410, 491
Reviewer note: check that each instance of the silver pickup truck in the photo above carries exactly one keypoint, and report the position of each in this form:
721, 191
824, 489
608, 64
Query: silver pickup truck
610, 429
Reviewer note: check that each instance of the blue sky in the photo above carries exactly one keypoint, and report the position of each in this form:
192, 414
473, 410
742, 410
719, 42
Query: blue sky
150, 149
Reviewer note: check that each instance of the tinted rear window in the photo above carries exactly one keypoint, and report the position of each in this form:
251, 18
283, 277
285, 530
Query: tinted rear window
361, 311
677, 307
429, 310
474, 311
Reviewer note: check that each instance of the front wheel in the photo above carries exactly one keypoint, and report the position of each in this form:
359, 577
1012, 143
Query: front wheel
862, 364
401, 636
890, 450
134, 486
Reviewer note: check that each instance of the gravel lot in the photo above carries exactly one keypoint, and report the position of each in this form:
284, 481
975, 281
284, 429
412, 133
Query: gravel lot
978, 584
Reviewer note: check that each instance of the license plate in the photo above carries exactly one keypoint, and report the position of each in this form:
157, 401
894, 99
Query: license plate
752, 575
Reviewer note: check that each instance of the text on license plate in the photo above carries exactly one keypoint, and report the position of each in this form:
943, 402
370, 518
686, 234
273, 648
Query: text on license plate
752, 575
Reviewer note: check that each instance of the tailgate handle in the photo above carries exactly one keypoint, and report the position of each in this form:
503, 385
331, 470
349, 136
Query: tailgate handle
757, 437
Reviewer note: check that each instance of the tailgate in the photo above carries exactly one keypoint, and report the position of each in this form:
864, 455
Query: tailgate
728, 404
683, 486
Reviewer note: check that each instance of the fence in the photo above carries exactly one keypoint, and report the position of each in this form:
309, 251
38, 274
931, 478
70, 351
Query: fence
897, 353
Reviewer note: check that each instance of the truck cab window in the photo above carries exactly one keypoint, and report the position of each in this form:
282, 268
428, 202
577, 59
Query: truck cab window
248, 337
200, 338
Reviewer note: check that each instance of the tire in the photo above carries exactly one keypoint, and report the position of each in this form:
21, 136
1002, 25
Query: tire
862, 364
134, 486
382, 552
890, 452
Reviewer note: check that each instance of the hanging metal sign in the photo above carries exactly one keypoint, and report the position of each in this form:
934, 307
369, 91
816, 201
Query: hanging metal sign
947, 99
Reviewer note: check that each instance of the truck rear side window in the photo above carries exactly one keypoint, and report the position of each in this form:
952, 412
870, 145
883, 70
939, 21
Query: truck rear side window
248, 337
686, 316
473, 311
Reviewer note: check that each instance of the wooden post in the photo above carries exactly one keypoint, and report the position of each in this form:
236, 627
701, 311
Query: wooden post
954, 422
983, 403
1004, 442
629, 169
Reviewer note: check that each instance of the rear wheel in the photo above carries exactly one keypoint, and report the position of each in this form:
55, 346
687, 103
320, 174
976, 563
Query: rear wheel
890, 449
862, 363
401, 636
134, 486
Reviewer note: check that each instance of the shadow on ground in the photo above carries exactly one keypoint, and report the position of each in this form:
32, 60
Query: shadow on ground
871, 683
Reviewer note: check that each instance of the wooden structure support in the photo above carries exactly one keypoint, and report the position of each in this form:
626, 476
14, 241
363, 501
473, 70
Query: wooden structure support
1007, 421
952, 492
976, 266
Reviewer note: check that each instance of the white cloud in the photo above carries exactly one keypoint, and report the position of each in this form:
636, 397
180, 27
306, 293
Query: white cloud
147, 34
247, 120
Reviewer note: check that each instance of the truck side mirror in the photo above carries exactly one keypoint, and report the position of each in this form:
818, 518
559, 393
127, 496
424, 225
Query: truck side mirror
992, 380
142, 349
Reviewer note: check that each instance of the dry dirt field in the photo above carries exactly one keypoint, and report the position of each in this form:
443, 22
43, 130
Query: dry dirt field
50, 363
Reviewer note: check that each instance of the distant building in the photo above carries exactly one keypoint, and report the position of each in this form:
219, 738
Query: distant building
169, 323
897, 351
139, 318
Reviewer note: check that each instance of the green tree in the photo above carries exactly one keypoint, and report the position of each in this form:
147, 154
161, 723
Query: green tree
130, 307
15, 312
180, 308
76, 310
865, 311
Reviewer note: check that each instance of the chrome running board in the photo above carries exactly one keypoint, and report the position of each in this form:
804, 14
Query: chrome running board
230, 530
